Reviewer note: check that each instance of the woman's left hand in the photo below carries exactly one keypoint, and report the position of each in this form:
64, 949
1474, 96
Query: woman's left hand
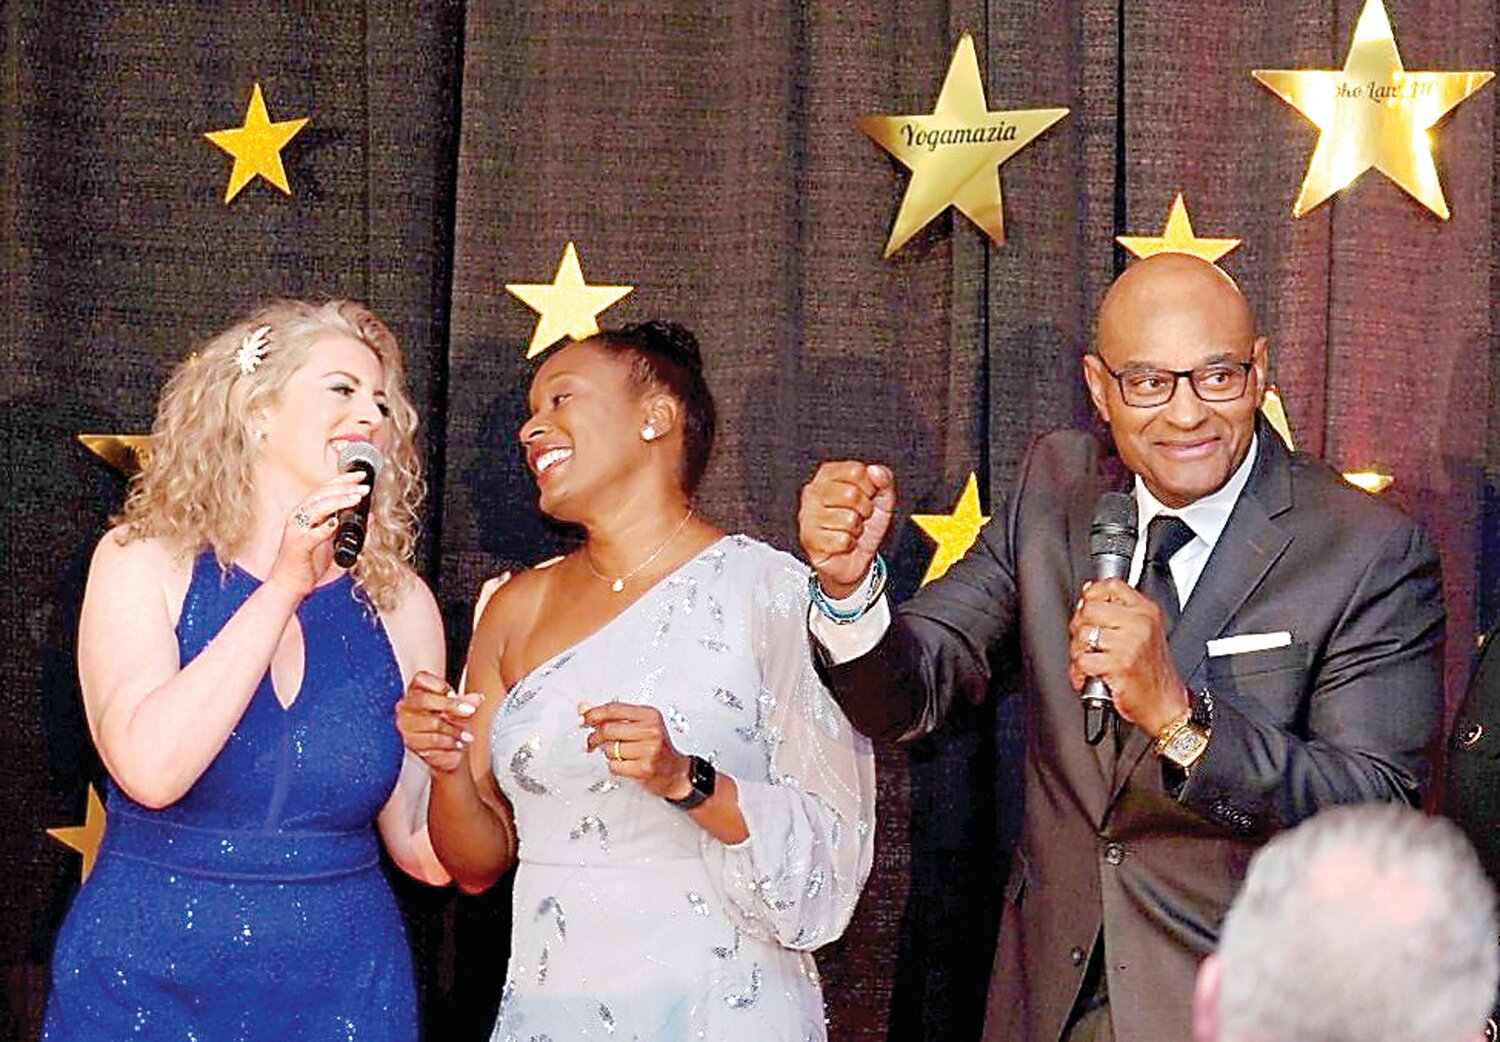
635, 745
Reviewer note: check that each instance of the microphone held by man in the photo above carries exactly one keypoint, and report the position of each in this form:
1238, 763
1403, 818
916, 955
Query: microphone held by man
1112, 538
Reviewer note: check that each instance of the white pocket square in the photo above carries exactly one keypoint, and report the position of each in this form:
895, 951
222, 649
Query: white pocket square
1243, 642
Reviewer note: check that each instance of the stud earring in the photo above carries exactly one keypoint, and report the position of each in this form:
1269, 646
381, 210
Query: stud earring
648, 432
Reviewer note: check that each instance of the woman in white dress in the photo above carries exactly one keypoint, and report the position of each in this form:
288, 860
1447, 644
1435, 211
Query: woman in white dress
691, 812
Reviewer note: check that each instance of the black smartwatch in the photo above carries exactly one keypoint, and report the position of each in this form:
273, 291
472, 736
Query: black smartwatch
701, 775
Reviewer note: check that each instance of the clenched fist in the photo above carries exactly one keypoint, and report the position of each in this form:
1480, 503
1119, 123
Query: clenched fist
845, 512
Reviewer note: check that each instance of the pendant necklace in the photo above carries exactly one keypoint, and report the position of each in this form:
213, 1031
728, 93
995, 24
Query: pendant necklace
619, 584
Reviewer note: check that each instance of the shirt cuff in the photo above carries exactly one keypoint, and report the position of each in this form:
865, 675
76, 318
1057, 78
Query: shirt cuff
847, 641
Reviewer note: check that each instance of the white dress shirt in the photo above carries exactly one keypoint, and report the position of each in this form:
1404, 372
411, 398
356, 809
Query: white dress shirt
1206, 517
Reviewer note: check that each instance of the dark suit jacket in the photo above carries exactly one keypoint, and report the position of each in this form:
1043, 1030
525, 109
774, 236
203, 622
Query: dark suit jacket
1472, 794
1343, 714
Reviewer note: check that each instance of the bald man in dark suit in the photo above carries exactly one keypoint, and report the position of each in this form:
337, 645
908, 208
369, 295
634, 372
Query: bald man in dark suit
1277, 649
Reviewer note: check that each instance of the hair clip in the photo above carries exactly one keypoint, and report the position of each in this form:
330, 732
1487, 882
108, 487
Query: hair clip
253, 349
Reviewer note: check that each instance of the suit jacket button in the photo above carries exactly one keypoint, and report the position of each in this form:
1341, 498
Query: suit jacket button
1114, 853
1077, 955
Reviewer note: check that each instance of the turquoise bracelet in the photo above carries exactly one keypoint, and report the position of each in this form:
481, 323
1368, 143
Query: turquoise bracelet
844, 616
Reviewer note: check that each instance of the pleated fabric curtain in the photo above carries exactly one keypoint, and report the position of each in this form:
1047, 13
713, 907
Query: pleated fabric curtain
707, 154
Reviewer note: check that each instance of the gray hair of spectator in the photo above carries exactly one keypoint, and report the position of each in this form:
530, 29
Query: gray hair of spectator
1370, 923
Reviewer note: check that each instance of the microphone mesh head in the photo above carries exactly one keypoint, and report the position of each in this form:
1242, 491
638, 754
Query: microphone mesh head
1113, 529
361, 452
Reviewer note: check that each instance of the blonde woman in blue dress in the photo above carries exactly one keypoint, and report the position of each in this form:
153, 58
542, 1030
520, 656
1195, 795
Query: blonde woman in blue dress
643, 731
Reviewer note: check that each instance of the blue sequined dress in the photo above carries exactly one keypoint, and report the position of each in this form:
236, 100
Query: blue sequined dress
255, 906
630, 922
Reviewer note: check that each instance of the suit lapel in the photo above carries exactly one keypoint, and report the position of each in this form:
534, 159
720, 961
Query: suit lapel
1250, 544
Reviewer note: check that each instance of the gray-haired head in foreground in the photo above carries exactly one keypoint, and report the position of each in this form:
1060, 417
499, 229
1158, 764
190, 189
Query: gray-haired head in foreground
1370, 923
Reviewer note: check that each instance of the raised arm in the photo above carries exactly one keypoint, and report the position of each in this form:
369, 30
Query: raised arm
157, 723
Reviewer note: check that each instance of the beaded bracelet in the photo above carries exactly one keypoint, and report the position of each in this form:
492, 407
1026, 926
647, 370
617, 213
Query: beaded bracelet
844, 616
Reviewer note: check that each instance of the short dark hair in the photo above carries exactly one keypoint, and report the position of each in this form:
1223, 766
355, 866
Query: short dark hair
665, 355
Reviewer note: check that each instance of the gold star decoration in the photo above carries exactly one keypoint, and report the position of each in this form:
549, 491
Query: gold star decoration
954, 533
1272, 407
954, 154
567, 305
1372, 113
85, 838
256, 147
1177, 237
1274, 410
124, 452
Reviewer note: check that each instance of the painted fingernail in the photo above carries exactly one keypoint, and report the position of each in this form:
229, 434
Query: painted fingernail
465, 737
464, 709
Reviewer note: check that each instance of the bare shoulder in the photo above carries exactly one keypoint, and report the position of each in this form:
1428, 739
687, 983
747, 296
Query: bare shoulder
415, 603
415, 627
513, 596
508, 606
131, 569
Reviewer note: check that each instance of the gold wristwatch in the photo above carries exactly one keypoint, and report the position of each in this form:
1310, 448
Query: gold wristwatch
1182, 741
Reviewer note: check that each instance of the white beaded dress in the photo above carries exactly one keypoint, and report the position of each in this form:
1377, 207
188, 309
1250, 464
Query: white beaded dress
630, 921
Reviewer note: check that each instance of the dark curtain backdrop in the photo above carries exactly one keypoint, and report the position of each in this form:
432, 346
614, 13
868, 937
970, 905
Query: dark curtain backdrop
706, 154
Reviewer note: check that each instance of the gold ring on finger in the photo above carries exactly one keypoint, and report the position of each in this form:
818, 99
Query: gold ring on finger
617, 750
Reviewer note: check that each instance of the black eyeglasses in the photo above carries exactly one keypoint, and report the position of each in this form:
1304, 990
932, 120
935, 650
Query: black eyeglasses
1148, 388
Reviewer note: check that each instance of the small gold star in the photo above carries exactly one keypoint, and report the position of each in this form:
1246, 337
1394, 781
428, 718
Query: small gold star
1275, 412
256, 147
124, 452
85, 838
954, 533
1372, 481
954, 153
1177, 237
1372, 113
568, 306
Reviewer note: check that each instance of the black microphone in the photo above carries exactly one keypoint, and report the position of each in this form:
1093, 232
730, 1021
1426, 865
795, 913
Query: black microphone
349, 540
1111, 545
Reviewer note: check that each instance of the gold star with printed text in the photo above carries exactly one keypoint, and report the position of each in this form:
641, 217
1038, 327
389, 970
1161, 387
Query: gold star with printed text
256, 147
1177, 237
954, 153
954, 533
85, 838
125, 452
568, 306
1372, 113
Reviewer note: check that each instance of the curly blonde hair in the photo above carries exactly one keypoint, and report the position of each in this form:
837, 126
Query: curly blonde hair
195, 486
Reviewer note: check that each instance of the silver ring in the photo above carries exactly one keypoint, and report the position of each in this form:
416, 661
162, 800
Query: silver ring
1091, 638
617, 750
301, 519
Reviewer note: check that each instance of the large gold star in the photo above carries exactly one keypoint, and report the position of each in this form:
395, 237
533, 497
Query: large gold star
955, 153
125, 452
1177, 237
1271, 405
568, 306
1372, 113
954, 533
85, 838
256, 147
